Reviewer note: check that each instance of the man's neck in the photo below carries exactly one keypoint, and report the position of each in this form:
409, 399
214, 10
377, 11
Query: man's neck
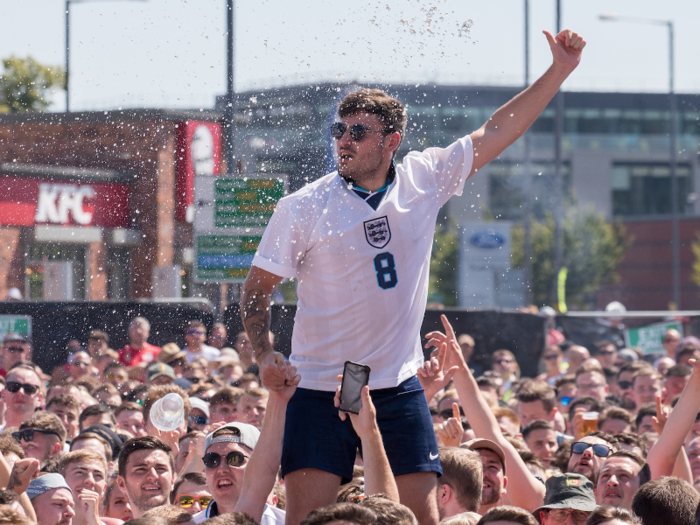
137, 346
195, 349
372, 181
228, 506
14, 418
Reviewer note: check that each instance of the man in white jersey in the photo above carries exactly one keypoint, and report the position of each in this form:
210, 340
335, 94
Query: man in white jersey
359, 241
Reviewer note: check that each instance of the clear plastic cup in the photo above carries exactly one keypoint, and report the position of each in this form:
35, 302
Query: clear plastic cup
590, 422
168, 413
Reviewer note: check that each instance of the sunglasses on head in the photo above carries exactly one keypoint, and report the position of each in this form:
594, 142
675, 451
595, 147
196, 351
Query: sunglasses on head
28, 434
186, 501
357, 131
233, 459
14, 387
580, 447
198, 420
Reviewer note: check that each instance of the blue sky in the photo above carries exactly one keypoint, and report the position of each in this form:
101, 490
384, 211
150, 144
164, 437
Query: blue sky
171, 53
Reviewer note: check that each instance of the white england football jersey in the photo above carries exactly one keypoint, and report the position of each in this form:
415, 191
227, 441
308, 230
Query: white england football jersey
363, 273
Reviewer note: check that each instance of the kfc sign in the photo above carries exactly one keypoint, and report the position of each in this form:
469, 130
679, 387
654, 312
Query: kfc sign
30, 201
58, 201
198, 153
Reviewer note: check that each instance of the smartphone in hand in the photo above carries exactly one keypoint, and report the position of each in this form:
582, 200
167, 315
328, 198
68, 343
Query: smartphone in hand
355, 377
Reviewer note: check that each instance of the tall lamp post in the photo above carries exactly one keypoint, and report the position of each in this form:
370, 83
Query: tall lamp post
68, 3
673, 149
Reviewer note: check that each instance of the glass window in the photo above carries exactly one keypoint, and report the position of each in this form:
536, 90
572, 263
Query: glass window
645, 189
39, 253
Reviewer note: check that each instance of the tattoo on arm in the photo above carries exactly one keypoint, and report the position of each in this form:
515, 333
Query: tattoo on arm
255, 314
14, 480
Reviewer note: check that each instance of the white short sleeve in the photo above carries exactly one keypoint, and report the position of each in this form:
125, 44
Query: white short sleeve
283, 245
448, 167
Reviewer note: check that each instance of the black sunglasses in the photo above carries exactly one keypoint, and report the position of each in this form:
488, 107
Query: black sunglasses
447, 413
357, 131
599, 450
233, 458
28, 434
198, 420
624, 385
15, 349
14, 387
550, 357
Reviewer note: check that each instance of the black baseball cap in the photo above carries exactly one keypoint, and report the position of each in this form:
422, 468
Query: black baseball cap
569, 491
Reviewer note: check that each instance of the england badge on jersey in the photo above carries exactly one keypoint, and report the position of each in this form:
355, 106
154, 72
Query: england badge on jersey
377, 232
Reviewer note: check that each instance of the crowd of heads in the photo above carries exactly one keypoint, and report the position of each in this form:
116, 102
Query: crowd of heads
583, 429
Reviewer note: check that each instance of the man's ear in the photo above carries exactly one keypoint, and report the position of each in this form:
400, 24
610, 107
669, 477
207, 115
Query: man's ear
505, 484
56, 449
122, 484
444, 493
394, 141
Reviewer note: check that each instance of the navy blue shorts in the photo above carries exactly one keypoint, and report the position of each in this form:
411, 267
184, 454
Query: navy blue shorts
315, 437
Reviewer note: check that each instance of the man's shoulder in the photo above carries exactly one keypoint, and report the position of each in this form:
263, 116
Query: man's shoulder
313, 190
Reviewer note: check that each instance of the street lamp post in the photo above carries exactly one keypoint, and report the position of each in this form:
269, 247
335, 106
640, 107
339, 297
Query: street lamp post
230, 110
67, 46
673, 149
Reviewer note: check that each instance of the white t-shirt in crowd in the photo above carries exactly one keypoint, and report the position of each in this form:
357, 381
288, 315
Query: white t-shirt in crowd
363, 273
271, 516
208, 352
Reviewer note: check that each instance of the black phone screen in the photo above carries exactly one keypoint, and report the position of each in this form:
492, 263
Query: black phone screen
355, 377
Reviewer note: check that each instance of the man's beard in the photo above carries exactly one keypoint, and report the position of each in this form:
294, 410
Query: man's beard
490, 496
144, 502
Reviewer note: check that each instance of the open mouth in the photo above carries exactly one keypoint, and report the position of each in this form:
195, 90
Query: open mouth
223, 484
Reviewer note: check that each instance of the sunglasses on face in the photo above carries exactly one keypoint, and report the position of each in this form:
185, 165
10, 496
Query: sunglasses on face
624, 385
561, 515
503, 361
28, 434
551, 357
198, 420
447, 413
81, 364
186, 501
193, 380
565, 400
233, 459
13, 387
195, 332
15, 349
580, 447
357, 131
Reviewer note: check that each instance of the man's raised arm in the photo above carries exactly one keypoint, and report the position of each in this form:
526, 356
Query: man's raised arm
255, 314
529, 492
509, 122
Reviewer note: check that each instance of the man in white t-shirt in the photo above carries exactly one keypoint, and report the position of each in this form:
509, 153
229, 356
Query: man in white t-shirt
359, 242
195, 335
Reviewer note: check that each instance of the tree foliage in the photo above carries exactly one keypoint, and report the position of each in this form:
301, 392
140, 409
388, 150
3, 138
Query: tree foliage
592, 251
24, 84
443, 266
695, 246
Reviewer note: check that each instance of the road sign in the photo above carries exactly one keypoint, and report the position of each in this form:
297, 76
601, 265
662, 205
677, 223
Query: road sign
245, 202
231, 214
650, 338
224, 258
21, 324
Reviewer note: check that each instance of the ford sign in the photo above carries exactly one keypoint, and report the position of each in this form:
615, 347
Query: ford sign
487, 240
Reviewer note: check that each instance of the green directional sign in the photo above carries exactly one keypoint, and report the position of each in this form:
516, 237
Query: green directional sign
21, 324
650, 338
225, 258
246, 201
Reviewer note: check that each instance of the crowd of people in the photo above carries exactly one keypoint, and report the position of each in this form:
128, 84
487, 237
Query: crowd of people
602, 438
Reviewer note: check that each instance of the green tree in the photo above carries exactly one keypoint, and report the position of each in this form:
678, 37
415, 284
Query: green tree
24, 84
695, 246
592, 251
443, 265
